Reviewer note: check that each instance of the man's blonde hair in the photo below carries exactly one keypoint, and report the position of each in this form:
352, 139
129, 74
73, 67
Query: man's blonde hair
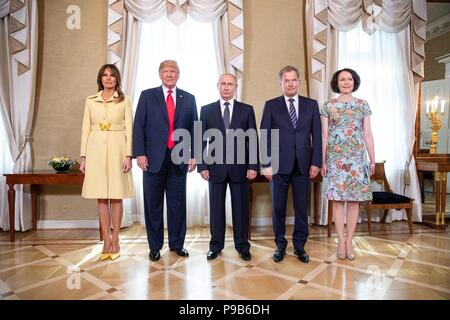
169, 63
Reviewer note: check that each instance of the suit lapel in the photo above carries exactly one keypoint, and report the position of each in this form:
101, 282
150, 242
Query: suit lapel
162, 102
179, 103
235, 116
301, 111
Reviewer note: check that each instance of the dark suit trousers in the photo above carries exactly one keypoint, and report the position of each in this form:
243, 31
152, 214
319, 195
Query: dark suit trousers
172, 181
300, 194
239, 205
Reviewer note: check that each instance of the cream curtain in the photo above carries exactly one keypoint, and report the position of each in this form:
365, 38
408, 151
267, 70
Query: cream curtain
17, 92
124, 30
326, 18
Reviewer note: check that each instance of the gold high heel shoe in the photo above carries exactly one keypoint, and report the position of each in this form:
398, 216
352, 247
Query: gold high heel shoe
114, 256
104, 256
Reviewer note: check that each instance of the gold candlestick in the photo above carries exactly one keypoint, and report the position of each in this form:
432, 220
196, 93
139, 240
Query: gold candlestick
435, 116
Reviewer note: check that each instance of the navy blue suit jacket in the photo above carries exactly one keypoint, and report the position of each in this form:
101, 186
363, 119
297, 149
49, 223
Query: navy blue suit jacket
303, 142
151, 125
243, 117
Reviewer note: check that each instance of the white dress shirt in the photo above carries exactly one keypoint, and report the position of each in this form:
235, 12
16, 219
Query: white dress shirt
222, 107
295, 103
174, 94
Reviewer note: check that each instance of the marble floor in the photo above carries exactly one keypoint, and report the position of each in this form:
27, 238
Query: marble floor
390, 264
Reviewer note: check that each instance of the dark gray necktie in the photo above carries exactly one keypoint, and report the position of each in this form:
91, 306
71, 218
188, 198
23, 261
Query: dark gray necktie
292, 112
226, 115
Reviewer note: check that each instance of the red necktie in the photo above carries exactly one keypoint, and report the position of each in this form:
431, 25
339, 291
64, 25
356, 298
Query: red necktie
171, 115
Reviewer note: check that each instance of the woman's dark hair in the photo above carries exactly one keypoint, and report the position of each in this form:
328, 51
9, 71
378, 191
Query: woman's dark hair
116, 74
334, 81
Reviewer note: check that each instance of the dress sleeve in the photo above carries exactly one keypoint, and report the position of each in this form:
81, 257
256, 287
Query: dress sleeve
324, 110
86, 128
129, 126
366, 109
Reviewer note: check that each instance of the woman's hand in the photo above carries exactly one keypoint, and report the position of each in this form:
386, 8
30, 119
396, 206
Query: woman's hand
126, 165
372, 169
82, 164
324, 170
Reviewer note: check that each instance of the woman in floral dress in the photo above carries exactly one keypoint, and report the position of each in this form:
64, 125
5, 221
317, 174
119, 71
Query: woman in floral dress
347, 139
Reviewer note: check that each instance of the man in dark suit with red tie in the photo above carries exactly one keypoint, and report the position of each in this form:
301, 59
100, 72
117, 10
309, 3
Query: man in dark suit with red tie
300, 154
233, 163
159, 113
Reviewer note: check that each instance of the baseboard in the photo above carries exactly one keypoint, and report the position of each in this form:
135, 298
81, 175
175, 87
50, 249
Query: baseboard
67, 224
93, 224
267, 222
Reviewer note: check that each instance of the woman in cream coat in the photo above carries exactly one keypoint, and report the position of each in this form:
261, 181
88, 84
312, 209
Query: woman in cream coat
106, 154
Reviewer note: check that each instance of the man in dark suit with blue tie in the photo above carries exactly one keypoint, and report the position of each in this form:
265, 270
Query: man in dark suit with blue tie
300, 150
233, 162
160, 112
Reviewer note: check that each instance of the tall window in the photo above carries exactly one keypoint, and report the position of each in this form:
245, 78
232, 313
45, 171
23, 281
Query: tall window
192, 45
382, 63
6, 166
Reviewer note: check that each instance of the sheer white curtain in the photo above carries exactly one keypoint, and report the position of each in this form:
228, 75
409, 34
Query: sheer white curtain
6, 166
192, 45
17, 93
381, 60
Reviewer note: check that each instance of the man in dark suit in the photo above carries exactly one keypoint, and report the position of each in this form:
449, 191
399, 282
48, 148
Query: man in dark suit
233, 163
300, 150
160, 111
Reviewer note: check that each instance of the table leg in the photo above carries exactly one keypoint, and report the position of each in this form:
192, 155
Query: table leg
421, 187
437, 181
443, 196
12, 213
33, 189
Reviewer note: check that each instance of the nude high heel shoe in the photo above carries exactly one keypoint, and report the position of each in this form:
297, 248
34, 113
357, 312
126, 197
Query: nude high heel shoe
350, 252
340, 253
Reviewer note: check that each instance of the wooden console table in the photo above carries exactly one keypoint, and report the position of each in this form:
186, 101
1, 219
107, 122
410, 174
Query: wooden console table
34, 179
439, 164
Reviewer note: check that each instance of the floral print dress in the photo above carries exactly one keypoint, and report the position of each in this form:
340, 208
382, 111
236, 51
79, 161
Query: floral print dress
348, 177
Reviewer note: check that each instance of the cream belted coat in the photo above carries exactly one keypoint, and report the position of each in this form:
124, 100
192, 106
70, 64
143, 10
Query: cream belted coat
106, 140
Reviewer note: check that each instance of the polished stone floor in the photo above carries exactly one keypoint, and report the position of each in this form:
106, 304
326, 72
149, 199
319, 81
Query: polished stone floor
390, 264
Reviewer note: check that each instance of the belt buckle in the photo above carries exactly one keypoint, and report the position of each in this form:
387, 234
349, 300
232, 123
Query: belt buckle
105, 126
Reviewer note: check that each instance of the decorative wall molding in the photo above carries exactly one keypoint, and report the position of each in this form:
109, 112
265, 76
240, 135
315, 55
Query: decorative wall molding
67, 224
19, 34
236, 32
438, 27
116, 26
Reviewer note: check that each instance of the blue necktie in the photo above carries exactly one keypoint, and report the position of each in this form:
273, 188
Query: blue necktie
226, 115
292, 112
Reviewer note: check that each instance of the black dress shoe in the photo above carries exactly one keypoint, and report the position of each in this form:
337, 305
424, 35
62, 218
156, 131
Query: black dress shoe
302, 255
211, 255
279, 254
181, 252
154, 255
245, 255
